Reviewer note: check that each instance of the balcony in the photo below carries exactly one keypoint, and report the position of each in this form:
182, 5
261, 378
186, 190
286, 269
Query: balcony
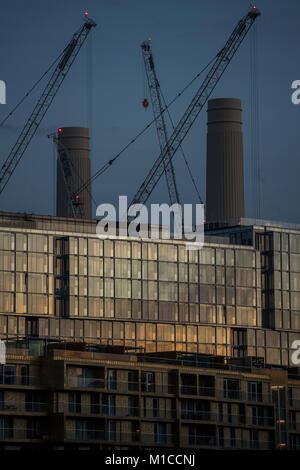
27, 407
141, 438
159, 413
85, 382
198, 415
20, 434
19, 381
94, 409
198, 440
246, 444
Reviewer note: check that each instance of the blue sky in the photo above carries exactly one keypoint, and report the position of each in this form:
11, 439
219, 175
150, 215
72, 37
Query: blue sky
105, 88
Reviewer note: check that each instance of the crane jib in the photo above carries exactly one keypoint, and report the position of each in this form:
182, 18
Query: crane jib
202, 95
27, 133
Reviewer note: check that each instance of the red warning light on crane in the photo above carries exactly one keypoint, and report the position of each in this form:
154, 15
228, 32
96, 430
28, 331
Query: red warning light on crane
86, 13
145, 103
59, 129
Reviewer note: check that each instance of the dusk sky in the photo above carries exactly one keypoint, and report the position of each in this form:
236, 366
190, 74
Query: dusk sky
105, 89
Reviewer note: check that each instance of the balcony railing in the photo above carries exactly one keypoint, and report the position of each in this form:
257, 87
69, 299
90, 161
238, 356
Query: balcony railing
85, 382
232, 394
10, 406
198, 415
7, 433
101, 435
120, 386
19, 380
106, 410
231, 443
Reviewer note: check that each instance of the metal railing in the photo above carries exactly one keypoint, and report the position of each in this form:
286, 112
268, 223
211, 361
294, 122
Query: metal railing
10, 406
120, 386
85, 382
225, 443
159, 388
119, 411
231, 394
101, 435
18, 380
7, 433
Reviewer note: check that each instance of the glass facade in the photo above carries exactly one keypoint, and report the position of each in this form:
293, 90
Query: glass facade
228, 300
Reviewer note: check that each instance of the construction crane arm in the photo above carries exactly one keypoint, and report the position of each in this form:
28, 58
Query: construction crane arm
161, 129
217, 69
69, 55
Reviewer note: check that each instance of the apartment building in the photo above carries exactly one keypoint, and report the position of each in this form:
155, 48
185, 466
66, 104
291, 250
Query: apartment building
237, 296
83, 396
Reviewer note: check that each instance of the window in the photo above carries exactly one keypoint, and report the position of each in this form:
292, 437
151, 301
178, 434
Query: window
259, 416
155, 408
32, 327
232, 437
229, 412
33, 429
254, 439
206, 385
292, 420
254, 391
295, 441
195, 409
33, 401
8, 374
132, 406
231, 389
108, 404
25, 374
221, 436
239, 342
188, 384
81, 429
111, 430
95, 406
160, 433
148, 381
220, 412
112, 379
1, 401
74, 402
133, 384
202, 435
6, 428
290, 396
87, 377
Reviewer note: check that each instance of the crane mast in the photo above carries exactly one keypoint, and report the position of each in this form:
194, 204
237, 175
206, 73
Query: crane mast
217, 69
158, 111
68, 56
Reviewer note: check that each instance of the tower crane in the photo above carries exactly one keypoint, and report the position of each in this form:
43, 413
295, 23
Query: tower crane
217, 69
69, 54
161, 129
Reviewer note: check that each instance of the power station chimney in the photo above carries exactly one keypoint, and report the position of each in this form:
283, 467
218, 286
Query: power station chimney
74, 153
225, 162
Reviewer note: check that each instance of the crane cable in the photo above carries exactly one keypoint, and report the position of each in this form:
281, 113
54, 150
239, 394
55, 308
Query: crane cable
31, 89
255, 173
181, 150
110, 162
